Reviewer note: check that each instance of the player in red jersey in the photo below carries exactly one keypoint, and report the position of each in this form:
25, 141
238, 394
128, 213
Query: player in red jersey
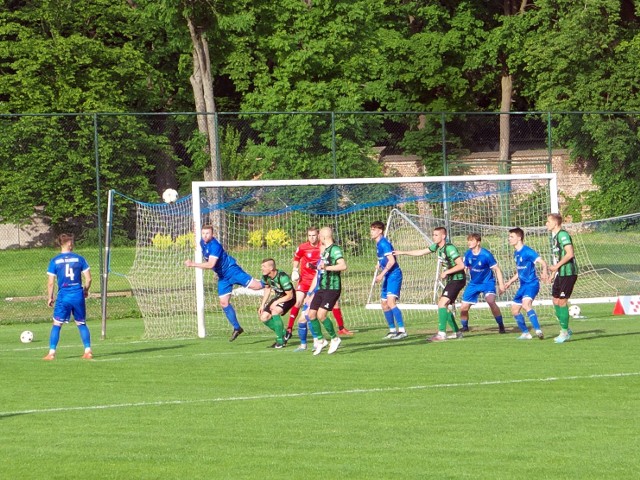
304, 271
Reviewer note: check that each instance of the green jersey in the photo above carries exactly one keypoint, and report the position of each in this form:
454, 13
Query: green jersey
447, 254
558, 243
330, 280
279, 284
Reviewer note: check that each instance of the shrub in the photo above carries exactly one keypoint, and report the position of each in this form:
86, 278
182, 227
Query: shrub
186, 241
256, 238
161, 241
278, 238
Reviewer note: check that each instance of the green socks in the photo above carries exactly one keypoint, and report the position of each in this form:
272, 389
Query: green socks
443, 319
563, 316
275, 324
328, 325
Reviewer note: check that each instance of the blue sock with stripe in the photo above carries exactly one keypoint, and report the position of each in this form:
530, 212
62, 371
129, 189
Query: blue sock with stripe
533, 318
85, 335
231, 316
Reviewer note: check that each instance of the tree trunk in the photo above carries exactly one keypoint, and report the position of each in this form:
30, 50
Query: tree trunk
505, 130
202, 84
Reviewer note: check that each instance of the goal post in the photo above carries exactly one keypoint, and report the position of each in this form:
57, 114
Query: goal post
288, 207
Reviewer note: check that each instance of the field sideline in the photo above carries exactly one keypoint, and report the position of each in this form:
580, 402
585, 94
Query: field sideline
486, 406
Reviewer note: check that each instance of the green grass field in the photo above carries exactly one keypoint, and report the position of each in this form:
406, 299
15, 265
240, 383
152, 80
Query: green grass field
487, 406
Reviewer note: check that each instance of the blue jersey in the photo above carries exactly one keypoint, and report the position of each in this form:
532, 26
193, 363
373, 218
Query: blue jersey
67, 268
214, 249
526, 264
480, 265
383, 250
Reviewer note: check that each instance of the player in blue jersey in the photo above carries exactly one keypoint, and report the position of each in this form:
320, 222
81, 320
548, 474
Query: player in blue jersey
68, 268
229, 274
483, 273
526, 259
390, 276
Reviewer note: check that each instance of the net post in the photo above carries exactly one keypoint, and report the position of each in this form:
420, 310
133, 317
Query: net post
198, 272
106, 266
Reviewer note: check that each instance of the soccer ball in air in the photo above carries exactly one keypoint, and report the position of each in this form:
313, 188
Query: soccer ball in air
169, 195
26, 336
574, 311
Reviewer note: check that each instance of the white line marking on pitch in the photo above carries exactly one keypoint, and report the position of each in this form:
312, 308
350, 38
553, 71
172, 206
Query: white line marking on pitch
270, 396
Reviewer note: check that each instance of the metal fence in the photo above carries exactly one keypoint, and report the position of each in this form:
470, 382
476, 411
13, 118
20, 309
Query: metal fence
56, 169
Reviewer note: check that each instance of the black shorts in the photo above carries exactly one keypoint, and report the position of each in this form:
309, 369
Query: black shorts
285, 306
325, 299
563, 286
453, 288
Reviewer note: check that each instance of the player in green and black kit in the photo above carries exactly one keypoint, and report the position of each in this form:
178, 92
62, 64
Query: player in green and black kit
270, 311
453, 273
329, 283
565, 269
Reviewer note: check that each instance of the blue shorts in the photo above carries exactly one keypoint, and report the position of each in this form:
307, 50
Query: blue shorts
391, 284
234, 276
473, 291
527, 290
71, 303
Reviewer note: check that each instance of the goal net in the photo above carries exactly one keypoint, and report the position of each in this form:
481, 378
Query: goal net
259, 219
269, 219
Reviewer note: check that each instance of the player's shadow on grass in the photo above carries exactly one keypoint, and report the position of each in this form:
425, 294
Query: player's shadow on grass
597, 334
381, 344
139, 350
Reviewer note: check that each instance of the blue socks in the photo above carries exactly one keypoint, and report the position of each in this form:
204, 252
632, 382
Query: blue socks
397, 314
388, 316
85, 335
54, 336
520, 321
302, 332
533, 318
231, 316
499, 321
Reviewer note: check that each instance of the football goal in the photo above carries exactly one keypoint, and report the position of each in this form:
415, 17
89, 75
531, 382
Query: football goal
255, 220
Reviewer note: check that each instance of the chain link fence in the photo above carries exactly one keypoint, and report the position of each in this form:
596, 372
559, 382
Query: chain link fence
56, 169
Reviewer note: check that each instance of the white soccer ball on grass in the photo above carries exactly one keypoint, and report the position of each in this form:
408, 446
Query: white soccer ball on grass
574, 311
169, 195
26, 336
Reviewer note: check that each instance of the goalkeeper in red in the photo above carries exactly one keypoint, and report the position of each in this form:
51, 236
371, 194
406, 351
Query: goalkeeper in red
565, 269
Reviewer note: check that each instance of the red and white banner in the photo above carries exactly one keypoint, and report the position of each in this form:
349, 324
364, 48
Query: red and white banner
627, 305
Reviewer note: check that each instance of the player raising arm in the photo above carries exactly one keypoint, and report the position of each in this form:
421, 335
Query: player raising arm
452, 274
229, 274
